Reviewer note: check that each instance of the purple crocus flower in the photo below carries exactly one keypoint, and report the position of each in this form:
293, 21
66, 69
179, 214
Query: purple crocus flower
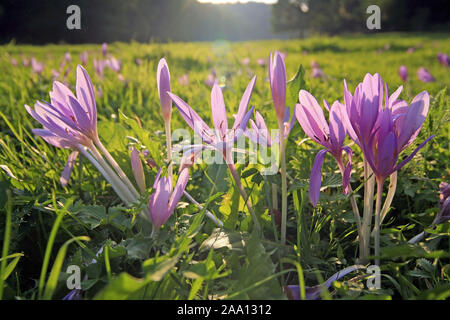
261, 62
314, 64
84, 58
424, 75
258, 133
444, 203
67, 57
13, 62
403, 73
443, 59
331, 136
277, 78
313, 293
138, 170
104, 49
223, 139
245, 62
184, 80
384, 132
37, 67
75, 294
99, 66
55, 74
163, 201
68, 121
138, 61
212, 79
163, 81
317, 73
25, 62
114, 64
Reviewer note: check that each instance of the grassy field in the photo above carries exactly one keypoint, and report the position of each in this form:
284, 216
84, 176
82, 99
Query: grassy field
191, 258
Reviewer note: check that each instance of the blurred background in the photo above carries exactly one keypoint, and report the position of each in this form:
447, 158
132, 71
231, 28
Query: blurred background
44, 21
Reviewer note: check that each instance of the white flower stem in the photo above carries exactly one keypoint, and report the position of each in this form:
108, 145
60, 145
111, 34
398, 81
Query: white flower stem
378, 220
116, 188
131, 198
283, 184
389, 196
369, 188
417, 238
117, 168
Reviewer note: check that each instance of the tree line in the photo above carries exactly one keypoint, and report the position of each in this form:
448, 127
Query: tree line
44, 21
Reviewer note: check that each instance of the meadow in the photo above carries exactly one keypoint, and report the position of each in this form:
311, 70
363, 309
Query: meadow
46, 227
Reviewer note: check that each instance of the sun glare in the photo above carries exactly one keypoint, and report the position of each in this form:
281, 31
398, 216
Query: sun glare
237, 1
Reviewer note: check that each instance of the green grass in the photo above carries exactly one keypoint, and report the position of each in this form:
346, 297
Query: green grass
191, 258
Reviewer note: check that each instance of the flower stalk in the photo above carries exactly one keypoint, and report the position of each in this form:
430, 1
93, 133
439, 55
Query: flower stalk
283, 184
377, 225
117, 168
369, 189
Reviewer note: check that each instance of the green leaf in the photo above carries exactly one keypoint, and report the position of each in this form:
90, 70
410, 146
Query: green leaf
441, 292
220, 238
156, 268
258, 267
121, 287
249, 172
54, 273
294, 86
10, 267
409, 251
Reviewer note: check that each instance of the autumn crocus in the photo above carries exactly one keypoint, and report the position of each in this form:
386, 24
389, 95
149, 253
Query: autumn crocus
384, 126
403, 73
261, 62
330, 135
424, 75
163, 82
104, 49
163, 201
212, 79
138, 169
84, 58
443, 59
36, 66
293, 292
222, 139
99, 67
184, 80
277, 79
25, 62
317, 73
259, 134
114, 64
70, 122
